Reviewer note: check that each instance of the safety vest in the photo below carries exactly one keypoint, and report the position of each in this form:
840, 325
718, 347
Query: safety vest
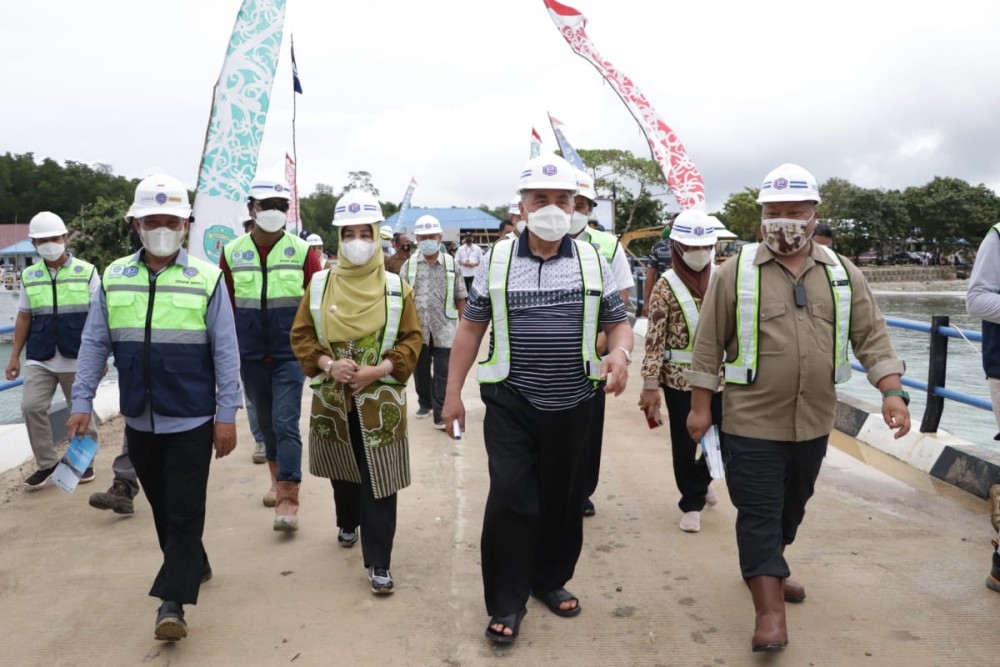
266, 301
58, 308
743, 369
991, 335
689, 308
159, 335
450, 311
497, 367
606, 244
393, 315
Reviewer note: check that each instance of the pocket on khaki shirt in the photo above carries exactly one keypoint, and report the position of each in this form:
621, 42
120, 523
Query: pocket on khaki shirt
775, 328
823, 319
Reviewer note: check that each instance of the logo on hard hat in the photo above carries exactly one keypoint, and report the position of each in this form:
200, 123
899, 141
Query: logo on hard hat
549, 170
161, 198
277, 187
354, 208
780, 184
699, 231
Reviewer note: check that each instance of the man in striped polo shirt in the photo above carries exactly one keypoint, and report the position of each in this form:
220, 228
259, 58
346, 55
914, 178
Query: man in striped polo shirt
546, 296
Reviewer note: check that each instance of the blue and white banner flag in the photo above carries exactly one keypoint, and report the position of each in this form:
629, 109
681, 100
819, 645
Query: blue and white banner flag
405, 205
568, 152
239, 112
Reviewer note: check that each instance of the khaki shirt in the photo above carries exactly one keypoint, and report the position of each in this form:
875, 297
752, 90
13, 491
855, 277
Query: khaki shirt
793, 397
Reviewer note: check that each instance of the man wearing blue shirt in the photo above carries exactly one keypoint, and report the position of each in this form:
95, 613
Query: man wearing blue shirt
169, 322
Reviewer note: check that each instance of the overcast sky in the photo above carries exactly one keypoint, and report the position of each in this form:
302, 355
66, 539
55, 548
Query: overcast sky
884, 93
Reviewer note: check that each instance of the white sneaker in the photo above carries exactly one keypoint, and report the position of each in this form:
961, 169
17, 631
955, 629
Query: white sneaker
259, 453
691, 522
711, 499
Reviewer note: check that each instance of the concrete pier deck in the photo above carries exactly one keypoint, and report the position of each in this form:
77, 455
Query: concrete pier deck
894, 570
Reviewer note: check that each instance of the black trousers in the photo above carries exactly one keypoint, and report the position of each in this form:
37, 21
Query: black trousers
357, 505
173, 470
468, 283
430, 392
533, 527
592, 470
769, 483
690, 473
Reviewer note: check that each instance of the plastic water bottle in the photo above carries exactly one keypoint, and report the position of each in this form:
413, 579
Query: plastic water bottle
78, 458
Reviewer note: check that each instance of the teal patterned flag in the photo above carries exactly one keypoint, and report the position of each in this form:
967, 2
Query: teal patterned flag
239, 111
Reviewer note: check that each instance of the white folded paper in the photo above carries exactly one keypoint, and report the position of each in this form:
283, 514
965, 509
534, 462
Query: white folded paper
712, 452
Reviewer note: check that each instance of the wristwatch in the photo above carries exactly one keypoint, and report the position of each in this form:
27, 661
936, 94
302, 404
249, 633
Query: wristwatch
329, 365
628, 355
897, 392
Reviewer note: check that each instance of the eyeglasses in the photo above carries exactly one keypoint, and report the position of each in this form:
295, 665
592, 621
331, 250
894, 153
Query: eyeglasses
273, 204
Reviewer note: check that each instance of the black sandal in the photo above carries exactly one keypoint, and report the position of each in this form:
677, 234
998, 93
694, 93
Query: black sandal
512, 621
556, 597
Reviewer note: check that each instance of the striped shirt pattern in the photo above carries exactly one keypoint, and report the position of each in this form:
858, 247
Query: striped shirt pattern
545, 301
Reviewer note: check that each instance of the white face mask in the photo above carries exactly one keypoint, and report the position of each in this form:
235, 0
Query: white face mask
429, 246
161, 242
519, 226
271, 221
357, 251
549, 223
697, 259
51, 250
577, 223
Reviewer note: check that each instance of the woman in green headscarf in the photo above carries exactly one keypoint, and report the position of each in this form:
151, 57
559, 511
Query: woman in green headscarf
358, 336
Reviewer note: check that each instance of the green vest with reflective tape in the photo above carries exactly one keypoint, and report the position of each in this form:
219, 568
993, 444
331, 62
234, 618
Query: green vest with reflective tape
59, 308
689, 308
497, 367
159, 334
393, 315
743, 369
266, 300
606, 243
450, 311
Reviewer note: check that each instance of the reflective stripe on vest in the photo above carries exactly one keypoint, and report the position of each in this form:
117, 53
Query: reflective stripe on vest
450, 311
497, 368
59, 308
840, 287
262, 327
690, 311
393, 315
743, 369
160, 337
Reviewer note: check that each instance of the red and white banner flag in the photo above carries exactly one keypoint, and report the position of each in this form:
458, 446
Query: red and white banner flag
293, 221
681, 174
536, 143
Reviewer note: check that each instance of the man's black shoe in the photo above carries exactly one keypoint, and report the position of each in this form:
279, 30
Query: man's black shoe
118, 498
170, 625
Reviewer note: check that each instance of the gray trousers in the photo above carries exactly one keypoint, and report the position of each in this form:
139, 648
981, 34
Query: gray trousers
39, 388
123, 469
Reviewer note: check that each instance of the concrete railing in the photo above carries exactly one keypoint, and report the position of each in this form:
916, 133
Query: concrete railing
904, 274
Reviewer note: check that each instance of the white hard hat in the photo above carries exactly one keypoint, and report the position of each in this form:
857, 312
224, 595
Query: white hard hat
514, 208
385, 232
161, 194
426, 225
357, 207
130, 213
694, 228
548, 172
45, 225
789, 182
263, 188
314, 239
585, 186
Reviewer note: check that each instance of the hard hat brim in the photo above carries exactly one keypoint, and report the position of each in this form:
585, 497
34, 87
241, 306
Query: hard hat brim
369, 220
787, 196
176, 211
698, 241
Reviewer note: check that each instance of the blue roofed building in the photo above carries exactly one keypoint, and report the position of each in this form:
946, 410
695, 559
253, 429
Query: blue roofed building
455, 223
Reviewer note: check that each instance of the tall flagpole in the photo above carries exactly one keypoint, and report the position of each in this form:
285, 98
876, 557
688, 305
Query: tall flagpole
295, 154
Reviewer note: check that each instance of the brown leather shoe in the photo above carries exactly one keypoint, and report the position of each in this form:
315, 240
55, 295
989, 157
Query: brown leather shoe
287, 509
770, 632
794, 591
271, 497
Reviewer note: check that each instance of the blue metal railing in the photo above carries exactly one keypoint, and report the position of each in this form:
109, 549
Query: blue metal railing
9, 384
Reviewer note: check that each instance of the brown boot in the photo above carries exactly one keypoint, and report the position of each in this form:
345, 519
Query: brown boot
271, 497
770, 632
287, 510
794, 591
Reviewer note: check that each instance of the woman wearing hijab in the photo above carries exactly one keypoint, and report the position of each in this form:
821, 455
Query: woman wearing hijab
357, 335
673, 317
